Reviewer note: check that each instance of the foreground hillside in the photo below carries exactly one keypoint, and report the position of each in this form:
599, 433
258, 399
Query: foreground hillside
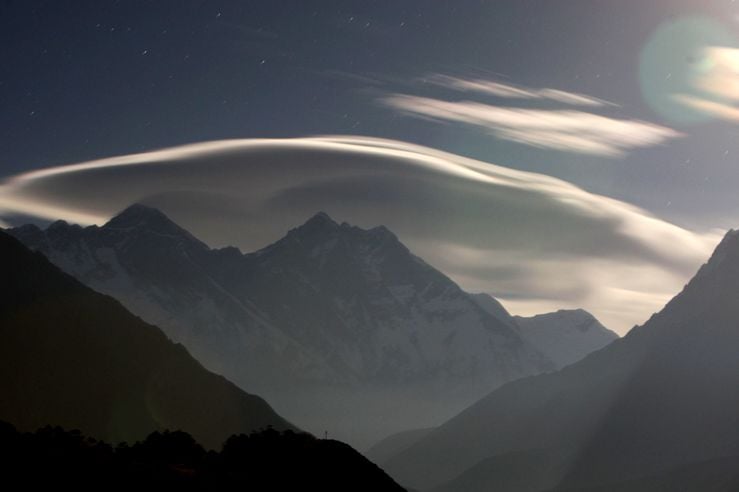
73, 357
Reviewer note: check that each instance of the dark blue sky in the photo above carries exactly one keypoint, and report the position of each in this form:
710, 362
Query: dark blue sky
90, 79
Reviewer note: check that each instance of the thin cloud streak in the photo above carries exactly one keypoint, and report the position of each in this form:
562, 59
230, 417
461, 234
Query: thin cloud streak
563, 130
713, 108
534, 241
508, 91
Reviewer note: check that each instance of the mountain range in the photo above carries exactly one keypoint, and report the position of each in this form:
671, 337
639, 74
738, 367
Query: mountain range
656, 410
333, 324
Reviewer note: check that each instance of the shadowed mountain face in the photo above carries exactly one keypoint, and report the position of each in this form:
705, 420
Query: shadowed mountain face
341, 328
663, 398
73, 357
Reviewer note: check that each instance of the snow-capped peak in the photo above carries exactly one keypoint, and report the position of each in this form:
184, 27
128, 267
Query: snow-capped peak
141, 218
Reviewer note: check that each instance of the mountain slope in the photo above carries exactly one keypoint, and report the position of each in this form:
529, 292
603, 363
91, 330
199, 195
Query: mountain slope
719, 475
394, 444
493, 307
665, 395
329, 322
71, 356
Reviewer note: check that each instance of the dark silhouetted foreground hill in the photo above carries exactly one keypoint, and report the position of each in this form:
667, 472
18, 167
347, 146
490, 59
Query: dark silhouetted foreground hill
659, 406
77, 358
267, 460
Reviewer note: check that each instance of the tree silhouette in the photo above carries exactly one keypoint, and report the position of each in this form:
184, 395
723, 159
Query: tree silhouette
266, 460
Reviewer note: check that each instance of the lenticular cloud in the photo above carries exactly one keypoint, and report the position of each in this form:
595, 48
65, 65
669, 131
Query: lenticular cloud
536, 242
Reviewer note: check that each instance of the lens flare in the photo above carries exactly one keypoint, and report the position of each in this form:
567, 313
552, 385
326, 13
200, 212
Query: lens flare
677, 54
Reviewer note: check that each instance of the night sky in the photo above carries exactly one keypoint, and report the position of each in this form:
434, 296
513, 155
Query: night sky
84, 80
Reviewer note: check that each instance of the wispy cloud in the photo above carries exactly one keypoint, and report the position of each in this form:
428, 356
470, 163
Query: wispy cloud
536, 242
715, 109
717, 85
564, 130
509, 91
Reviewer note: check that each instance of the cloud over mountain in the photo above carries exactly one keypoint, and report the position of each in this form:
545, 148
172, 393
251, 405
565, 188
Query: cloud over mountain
534, 241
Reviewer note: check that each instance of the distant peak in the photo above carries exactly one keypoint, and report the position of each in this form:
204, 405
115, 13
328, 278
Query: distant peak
727, 251
731, 239
142, 217
320, 222
562, 313
322, 218
321, 229
58, 224
381, 230
575, 312
137, 215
